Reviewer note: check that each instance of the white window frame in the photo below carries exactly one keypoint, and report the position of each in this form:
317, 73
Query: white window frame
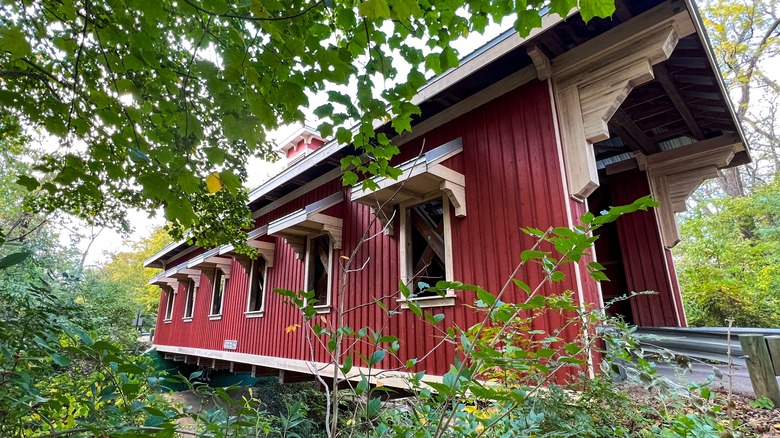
170, 301
261, 311
319, 307
194, 284
405, 258
222, 283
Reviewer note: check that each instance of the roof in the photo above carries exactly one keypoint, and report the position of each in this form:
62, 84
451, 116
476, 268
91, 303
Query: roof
304, 133
506, 54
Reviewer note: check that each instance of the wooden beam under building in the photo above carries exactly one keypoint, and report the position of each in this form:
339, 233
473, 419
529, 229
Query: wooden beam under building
258, 371
623, 121
237, 367
294, 377
665, 79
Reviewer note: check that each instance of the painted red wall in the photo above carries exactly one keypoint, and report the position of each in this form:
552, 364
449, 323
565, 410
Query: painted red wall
302, 147
648, 265
514, 179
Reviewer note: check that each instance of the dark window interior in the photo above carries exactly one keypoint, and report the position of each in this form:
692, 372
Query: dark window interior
169, 305
190, 299
219, 289
258, 285
426, 223
319, 258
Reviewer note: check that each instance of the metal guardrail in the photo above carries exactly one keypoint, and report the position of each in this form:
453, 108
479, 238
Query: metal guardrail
710, 343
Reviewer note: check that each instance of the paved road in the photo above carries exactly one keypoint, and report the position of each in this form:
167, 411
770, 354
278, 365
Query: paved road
700, 373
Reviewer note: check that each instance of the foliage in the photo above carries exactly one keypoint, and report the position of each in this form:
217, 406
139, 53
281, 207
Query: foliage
146, 100
762, 403
729, 263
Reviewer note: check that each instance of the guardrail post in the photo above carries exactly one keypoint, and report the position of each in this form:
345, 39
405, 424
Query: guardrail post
759, 363
773, 343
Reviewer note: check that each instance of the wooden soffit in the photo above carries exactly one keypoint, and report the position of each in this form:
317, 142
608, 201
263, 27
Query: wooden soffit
593, 79
673, 175
296, 227
420, 177
264, 249
217, 258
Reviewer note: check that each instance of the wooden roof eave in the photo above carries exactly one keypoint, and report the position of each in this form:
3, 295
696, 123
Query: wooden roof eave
419, 178
297, 226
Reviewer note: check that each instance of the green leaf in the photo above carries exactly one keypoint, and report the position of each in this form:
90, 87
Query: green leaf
596, 8
374, 9
530, 254
12, 40
350, 178
347, 364
557, 276
486, 297
13, 259
376, 357
448, 58
155, 186
27, 182
374, 405
60, 360
129, 368
231, 181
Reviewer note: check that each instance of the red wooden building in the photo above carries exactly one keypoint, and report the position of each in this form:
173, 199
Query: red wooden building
525, 132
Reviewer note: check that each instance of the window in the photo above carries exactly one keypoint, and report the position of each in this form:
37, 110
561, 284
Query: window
189, 305
426, 249
219, 294
318, 265
257, 286
169, 304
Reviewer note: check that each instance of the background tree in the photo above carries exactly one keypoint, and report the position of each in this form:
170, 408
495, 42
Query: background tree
729, 261
746, 37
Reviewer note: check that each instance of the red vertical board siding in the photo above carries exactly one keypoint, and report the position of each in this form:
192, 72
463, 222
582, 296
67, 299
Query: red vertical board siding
513, 179
644, 256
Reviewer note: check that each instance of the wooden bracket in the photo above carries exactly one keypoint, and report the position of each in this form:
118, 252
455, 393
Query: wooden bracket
457, 195
221, 263
298, 244
244, 261
541, 63
593, 79
335, 234
265, 249
675, 174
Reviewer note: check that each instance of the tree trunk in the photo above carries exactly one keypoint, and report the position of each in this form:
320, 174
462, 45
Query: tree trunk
731, 183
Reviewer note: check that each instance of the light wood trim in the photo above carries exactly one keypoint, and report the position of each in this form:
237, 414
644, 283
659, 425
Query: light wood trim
581, 170
390, 378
